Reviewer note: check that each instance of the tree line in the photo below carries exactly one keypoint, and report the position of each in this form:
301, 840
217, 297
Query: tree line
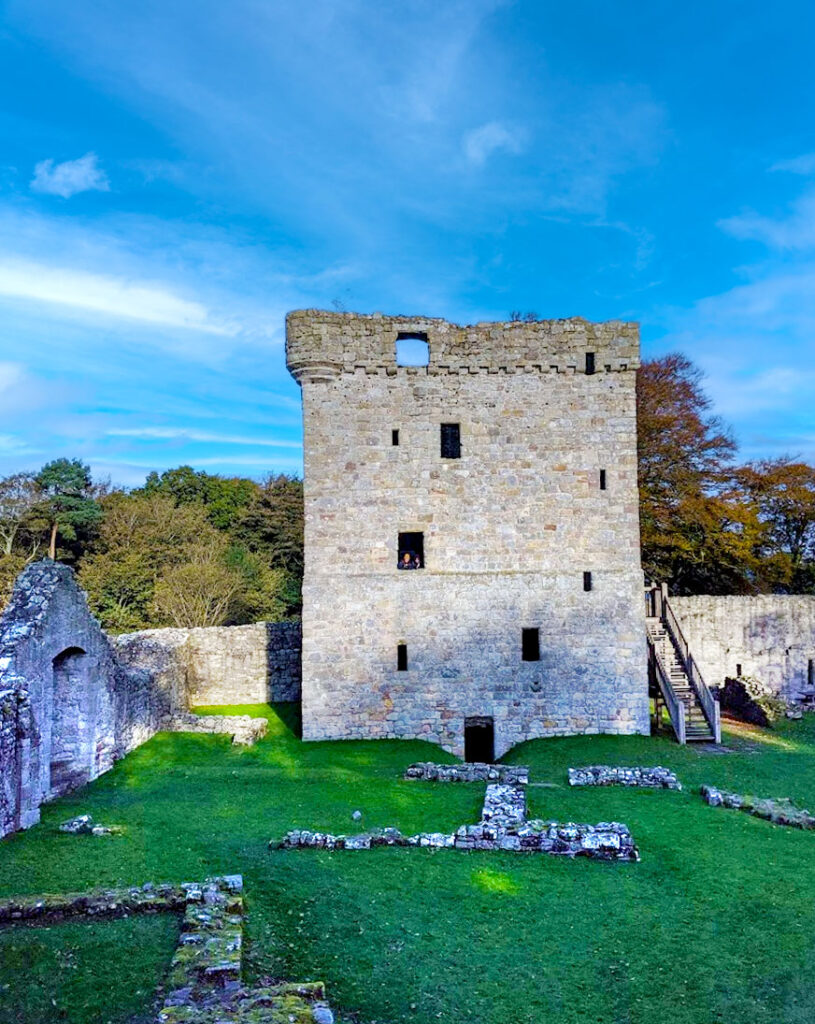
186, 549
194, 549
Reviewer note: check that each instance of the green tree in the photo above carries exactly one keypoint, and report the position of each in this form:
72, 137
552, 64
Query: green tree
223, 497
19, 495
140, 537
67, 502
272, 528
201, 590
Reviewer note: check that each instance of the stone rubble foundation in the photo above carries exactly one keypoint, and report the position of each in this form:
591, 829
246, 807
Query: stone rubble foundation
503, 826
780, 812
204, 982
473, 771
605, 775
84, 825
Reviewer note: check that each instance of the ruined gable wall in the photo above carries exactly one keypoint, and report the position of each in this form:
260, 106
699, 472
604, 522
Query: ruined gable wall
772, 637
509, 529
69, 709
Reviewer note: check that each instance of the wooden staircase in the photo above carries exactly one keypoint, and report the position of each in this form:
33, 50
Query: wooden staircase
674, 676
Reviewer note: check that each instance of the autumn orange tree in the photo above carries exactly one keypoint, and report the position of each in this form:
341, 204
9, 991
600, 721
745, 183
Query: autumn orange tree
698, 533
781, 496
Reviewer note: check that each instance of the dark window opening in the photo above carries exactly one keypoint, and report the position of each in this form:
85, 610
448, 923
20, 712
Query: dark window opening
811, 673
602, 479
411, 551
479, 740
590, 363
587, 581
401, 657
450, 441
412, 348
738, 671
530, 645
395, 438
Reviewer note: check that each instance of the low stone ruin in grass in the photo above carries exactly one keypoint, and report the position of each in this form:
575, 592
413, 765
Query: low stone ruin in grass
204, 983
244, 729
780, 812
472, 771
606, 775
503, 826
84, 825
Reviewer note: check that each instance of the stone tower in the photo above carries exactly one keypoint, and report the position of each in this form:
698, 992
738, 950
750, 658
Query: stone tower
505, 470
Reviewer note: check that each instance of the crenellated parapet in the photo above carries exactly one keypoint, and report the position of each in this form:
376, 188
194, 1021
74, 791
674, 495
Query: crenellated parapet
321, 345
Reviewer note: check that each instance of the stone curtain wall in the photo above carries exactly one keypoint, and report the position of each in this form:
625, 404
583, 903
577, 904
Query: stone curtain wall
771, 636
509, 529
67, 708
252, 664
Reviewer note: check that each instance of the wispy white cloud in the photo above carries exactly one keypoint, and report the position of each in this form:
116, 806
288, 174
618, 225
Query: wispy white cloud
198, 436
481, 143
96, 293
794, 231
804, 164
14, 444
11, 376
70, 177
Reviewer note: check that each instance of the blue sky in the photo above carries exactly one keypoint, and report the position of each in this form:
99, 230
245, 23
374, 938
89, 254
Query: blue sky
175, 176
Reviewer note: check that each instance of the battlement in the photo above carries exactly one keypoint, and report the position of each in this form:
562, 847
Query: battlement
321, 345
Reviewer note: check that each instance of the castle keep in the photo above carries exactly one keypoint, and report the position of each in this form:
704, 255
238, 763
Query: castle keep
502, 473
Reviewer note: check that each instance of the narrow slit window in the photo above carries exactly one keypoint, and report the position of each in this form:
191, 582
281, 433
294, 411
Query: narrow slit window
590, 368
412, 349
587, 581
411, 551
395, 438
401, 658
738, 671
811, 673
530, 645
450, 441
602, 479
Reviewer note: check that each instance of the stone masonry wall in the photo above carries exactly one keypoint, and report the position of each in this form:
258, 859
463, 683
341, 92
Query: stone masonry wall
68, 709
252, 664
509, 529
771, 636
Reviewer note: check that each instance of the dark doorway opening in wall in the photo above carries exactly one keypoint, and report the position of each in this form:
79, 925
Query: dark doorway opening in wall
72, 727
412, 545
479, 739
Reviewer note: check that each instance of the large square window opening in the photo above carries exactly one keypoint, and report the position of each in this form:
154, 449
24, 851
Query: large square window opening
411, 551
450, 441
412, 349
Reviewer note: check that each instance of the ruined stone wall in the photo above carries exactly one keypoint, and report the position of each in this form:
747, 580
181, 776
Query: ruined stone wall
72, 701
68, 708
509, 529
772, 637
254, 664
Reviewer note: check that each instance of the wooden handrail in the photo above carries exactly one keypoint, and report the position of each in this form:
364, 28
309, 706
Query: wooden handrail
676, 709
710, 706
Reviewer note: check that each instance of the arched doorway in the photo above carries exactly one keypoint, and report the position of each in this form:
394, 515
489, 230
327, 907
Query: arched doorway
72, 728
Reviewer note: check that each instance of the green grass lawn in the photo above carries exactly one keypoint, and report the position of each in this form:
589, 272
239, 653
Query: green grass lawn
717, 923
